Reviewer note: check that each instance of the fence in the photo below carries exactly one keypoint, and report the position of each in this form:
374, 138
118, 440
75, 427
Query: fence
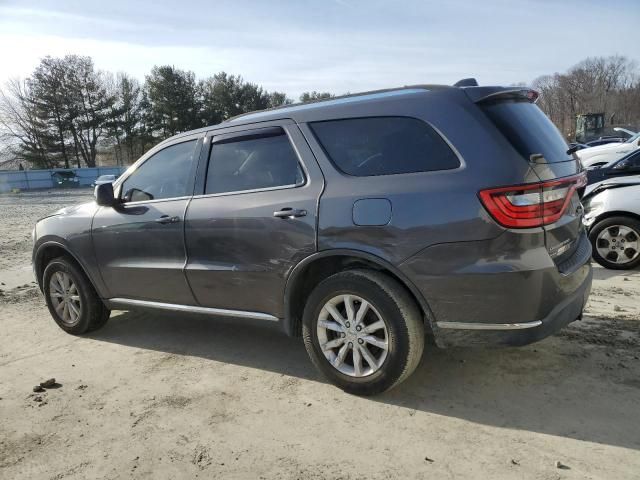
35, 179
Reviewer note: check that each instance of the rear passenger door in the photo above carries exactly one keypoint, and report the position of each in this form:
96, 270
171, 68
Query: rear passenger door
254, 219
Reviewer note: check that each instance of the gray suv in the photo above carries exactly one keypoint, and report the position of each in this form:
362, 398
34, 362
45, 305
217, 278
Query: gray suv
364, 224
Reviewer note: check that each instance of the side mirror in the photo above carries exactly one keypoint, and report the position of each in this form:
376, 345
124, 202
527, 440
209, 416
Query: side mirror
104, 195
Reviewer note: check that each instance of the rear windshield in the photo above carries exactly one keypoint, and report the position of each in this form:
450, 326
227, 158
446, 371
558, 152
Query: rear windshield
528, 129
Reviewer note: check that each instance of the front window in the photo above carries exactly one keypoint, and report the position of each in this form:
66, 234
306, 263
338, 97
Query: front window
166, 174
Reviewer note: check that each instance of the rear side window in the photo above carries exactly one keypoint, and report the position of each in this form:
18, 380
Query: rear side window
384, 146
528, 129
250, 163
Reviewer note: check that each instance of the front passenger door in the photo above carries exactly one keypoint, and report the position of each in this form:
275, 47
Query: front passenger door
139, 243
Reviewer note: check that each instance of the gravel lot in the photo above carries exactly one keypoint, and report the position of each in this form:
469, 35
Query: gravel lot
157, 396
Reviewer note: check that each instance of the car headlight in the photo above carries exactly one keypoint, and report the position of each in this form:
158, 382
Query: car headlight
592, 207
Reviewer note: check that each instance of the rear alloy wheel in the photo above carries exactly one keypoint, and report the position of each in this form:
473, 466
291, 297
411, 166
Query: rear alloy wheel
616, 243
363, 331
72, 300
355, 342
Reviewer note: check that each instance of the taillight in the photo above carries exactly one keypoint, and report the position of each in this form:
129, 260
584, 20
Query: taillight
531, 204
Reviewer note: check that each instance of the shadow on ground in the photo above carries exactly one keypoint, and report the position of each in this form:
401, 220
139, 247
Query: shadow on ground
553, 387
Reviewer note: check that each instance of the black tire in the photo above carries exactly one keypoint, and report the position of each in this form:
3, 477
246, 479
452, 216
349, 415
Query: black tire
602, 225
93, 313
404, 323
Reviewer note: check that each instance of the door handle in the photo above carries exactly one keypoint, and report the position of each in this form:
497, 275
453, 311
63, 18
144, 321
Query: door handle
290, 213
167, 219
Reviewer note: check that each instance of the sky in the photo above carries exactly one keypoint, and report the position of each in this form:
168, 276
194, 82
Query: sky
329, 45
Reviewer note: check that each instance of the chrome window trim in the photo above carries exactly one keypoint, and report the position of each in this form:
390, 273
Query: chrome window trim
488, 326
160, 200
255, 190
192, 309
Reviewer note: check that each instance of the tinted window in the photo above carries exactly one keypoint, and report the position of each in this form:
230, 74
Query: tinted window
384, 146
528, 129
253, 163
634, 160
167, 174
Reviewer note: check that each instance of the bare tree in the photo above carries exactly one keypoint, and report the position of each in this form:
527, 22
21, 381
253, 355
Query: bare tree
606, 85
20, 128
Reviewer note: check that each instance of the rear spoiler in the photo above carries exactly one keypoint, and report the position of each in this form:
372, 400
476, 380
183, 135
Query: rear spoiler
488, 94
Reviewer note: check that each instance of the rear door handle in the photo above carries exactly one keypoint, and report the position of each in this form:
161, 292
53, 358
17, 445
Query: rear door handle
167, 219
290, 213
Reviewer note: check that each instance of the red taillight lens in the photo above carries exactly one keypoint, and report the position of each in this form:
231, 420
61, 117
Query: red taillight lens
532, 204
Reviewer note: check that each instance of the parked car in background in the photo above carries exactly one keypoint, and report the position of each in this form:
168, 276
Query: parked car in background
603, 154
626, 166
625, 132
605, 141
104, 179
359, 223
612, 215
65, 179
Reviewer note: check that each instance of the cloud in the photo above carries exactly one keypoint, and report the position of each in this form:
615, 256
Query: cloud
339, 46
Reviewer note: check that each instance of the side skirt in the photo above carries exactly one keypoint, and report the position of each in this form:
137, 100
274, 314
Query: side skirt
125, 303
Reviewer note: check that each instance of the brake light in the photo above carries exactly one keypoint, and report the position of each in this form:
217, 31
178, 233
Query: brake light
531, 204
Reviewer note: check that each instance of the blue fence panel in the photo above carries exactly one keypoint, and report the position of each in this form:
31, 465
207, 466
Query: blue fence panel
38, 179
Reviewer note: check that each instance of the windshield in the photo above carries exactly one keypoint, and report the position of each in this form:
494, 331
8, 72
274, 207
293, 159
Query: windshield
634, 138
528, 129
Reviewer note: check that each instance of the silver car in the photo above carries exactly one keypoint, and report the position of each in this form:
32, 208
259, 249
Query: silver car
104, 179
612, 215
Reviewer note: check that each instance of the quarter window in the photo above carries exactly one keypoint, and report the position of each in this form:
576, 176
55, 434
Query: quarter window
251, 163
167, 174
384, 146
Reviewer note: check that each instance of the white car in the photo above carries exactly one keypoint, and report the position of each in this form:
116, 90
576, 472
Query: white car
104, 179
612, 216
603, 154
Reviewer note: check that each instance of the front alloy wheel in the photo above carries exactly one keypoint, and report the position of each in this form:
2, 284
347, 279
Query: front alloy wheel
71, 298
616, 242
65, 297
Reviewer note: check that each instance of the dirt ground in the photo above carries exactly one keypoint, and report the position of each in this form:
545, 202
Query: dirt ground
166, 396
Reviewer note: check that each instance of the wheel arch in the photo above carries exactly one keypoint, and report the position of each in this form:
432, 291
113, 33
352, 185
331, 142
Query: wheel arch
49, 250
315, 268
614, 213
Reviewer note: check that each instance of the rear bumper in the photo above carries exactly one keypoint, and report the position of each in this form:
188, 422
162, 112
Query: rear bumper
500, 291
521, 333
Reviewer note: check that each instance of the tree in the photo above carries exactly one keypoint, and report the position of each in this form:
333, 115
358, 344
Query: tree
595, 85
315, 96
173, 102
89, 106
20, 130
225, 96
51, 109
124, 125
